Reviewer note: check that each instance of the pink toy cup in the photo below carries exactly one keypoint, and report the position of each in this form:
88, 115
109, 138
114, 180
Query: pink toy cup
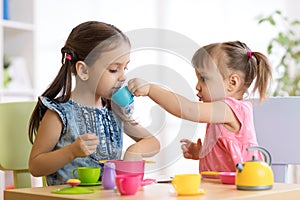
128, 184
130, 167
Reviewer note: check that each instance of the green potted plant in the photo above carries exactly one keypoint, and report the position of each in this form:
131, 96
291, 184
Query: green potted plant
6, 76
285, 46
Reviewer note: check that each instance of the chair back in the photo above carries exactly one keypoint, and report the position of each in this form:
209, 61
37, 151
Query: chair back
14, 143
277, 124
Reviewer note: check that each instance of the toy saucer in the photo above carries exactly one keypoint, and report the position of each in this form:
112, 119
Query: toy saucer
199, 192
73, 190
90, 184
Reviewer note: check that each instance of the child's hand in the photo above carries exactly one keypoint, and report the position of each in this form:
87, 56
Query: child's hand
85, 145
139, 87
190, 149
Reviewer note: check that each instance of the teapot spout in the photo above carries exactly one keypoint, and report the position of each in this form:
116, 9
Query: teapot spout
239, 167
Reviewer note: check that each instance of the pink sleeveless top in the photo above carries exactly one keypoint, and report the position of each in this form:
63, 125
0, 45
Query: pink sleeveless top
222, 149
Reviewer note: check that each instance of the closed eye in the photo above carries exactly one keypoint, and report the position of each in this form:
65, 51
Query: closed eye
113, 70
203, 79
116, 67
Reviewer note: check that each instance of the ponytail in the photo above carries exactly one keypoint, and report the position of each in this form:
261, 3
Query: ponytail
59, 91
263, 75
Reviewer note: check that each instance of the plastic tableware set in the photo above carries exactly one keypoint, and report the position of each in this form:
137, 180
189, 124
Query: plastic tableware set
125, 177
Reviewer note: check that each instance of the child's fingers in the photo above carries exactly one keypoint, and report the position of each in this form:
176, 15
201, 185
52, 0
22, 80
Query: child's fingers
133, 85
185, 141
199, 143
187, 155
138, 87
130, 85
89, 142
89, 137
184, 148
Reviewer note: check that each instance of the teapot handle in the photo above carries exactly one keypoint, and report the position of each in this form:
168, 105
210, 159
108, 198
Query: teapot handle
265, 152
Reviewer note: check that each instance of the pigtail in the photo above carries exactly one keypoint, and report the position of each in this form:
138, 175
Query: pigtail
263, 75
59, 91
60, 88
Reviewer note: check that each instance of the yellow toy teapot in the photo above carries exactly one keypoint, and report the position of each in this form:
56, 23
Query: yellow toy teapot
255, 174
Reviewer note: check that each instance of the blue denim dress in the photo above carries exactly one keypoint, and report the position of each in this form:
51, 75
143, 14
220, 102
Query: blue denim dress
78, 119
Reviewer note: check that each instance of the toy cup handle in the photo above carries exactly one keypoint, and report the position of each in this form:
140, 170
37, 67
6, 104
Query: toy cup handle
74, 175
121, 189
173, 182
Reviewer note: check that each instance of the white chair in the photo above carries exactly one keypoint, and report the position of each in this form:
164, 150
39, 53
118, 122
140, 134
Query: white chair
277, 124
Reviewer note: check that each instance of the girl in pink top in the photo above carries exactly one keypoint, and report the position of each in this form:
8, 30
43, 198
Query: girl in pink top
225, 71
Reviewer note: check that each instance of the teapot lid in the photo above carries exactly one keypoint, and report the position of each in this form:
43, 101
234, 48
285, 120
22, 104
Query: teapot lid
266, 154
254, 158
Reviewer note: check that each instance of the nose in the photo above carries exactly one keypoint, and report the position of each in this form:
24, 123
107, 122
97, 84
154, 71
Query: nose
198, 87
122, 77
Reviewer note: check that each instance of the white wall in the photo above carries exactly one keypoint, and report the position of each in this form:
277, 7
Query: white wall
197, 20
201, 21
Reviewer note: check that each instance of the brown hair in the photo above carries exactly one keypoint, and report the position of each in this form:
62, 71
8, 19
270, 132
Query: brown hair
85, 43
237, 56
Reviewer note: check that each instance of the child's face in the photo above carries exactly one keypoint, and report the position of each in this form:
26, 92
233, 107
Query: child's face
109, 71
210, 85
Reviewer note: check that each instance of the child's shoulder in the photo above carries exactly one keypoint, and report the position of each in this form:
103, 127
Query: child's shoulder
46, 101
59, 107
237, 105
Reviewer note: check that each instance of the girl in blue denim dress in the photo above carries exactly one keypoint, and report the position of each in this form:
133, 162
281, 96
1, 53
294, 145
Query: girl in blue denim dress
78, 125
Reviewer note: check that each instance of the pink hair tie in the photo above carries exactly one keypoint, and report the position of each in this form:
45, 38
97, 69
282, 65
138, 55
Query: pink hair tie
249, 53
67, 57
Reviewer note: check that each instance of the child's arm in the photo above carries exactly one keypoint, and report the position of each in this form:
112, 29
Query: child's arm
43, 160
190, 149
211, 112
146, 144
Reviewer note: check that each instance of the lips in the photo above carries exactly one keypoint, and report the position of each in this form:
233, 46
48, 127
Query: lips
200, 98
114, 89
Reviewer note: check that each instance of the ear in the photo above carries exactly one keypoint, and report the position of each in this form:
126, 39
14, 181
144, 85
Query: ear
234, 82
82, 70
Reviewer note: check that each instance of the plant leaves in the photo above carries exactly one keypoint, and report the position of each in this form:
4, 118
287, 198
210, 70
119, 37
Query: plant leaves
287, 42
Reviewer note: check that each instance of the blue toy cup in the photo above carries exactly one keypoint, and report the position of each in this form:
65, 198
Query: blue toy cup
123, 97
